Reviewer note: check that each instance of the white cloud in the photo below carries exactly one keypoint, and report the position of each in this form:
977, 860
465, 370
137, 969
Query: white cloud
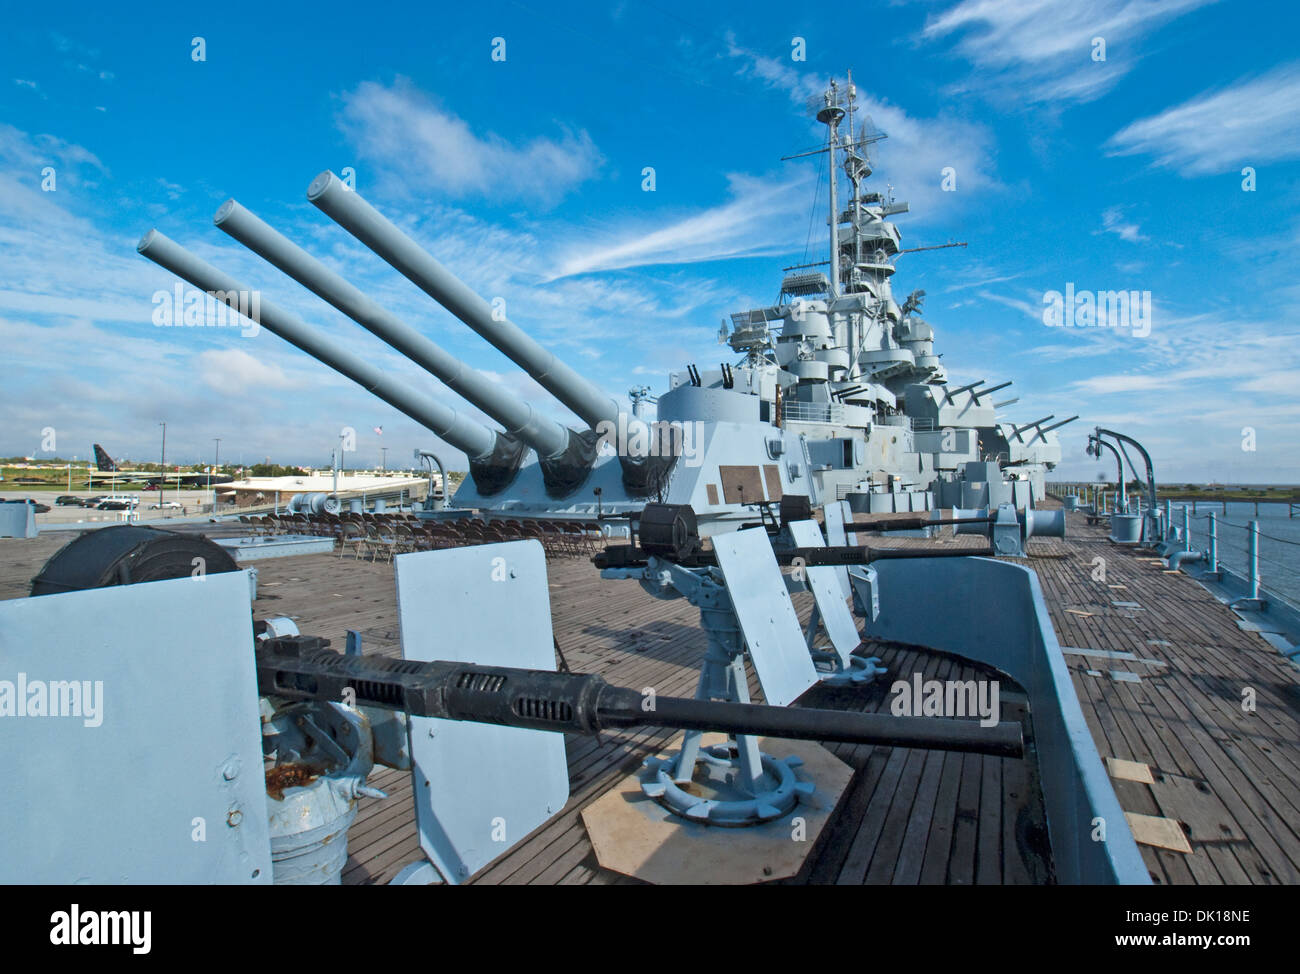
1250, 122
1024, 307
232, 370
1112, 221
403, 132
741, 227
1042, 50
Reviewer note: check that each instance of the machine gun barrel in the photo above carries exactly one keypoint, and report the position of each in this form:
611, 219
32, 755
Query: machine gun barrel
627, 556
915, 523
301, 668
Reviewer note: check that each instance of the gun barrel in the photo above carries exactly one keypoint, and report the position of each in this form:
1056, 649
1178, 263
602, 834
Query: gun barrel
627, 556
465, 434
949, 393
300, 668
346, 208
547, 437
984, 392
1017, 430
1048, 429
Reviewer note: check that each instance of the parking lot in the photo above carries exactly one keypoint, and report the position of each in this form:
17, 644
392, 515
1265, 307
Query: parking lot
191, 502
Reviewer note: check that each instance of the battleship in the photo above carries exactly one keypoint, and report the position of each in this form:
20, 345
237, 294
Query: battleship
821, 619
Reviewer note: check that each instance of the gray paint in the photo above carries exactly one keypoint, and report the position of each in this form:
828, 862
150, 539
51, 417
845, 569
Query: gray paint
517, 416
460, 431
346, 208
994, 612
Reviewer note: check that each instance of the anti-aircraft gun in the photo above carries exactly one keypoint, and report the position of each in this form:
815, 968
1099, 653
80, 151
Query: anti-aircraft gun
474, 709
746, 614
304, 668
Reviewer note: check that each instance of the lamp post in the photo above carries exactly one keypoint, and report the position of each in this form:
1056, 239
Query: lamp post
216, 461
162, 463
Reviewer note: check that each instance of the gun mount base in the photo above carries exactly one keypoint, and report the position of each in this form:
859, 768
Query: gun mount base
780, 794
832, 673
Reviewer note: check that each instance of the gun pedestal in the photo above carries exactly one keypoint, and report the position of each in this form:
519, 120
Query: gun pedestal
835, 663
750, 787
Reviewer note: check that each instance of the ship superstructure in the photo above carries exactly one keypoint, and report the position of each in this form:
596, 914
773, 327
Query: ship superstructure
851, 377
838, 393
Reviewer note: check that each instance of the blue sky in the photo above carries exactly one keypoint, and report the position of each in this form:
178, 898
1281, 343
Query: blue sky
524, 176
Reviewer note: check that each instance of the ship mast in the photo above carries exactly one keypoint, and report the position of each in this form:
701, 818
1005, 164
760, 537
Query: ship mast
830, 116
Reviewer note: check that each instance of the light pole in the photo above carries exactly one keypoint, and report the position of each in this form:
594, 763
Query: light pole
216, 462
162, 462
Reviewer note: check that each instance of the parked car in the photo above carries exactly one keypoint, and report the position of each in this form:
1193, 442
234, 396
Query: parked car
39, 508
68, 500
167, 505
114, 506
129, 500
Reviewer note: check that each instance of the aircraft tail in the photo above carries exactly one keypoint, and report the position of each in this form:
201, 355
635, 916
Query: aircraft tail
103, 460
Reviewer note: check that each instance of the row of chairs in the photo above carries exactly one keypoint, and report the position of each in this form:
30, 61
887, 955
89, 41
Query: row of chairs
375, 536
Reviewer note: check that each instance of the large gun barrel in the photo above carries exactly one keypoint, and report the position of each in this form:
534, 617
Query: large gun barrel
301, 668
547, 437
476, 440
346, 208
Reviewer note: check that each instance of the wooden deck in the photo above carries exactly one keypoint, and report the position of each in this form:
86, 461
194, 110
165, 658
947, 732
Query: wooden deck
909, 816
1230, 776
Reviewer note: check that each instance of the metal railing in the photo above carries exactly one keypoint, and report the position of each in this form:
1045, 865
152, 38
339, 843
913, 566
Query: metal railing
812, 412
1242, 544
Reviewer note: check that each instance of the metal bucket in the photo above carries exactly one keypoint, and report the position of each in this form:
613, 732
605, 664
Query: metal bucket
309, 835
311, 795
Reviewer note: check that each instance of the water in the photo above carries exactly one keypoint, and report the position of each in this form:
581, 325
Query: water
1279, 541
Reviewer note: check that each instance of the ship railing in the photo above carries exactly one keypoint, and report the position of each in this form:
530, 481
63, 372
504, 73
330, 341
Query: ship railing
813, 412
1241, 545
